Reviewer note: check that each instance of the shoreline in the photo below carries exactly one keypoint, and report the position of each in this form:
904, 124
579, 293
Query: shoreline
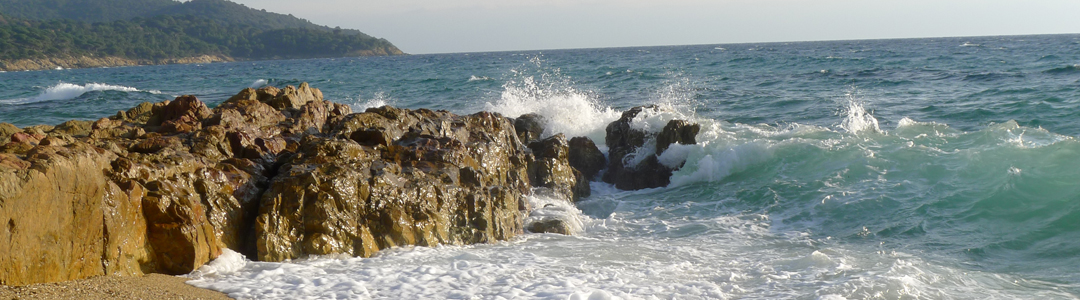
86, 62
150, 286
82, 62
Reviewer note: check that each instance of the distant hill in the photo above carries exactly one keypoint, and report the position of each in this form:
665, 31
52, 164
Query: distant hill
83, 10
52, 32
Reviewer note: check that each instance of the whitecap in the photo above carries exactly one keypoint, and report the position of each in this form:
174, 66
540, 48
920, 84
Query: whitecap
63, 91
478, 78
258, 84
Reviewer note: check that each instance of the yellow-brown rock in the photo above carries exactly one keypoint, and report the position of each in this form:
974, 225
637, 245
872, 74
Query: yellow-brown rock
272, 173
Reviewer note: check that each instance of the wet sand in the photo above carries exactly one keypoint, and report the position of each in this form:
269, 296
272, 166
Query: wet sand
153, 286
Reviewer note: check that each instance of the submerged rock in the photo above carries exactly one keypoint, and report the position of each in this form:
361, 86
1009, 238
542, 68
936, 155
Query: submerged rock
630, 168
272, 173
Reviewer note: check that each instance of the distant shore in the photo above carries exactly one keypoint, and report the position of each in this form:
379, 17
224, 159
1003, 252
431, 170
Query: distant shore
81, 62
152, 286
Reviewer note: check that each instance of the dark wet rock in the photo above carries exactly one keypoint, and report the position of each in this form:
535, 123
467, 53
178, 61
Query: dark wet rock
551, 168
677, 131
529, 127
550, 226
623, 140
584, 156
367, 192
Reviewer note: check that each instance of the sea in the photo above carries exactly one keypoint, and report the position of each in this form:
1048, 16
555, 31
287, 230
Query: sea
935, 168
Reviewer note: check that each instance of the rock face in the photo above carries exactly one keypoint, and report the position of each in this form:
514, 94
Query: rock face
552, 169
391, 177
629, 172
586, 157
272, 173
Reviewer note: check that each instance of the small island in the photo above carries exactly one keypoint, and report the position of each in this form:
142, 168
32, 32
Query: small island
40, 35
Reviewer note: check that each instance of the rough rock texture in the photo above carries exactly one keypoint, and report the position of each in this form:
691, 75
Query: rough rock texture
551, 168
584, 156
677, 131
623, 140
392, 177
272, 173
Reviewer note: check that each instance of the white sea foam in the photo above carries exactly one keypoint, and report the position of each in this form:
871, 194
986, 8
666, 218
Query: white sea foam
227, 263
856, 118
379, 100
634, 254
546, 207
63, 90
551, 95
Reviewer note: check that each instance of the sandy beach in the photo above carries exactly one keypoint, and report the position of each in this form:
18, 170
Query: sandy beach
153, 286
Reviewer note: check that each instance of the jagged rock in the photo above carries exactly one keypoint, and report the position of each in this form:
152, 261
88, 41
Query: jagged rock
6, 130
358, 193
552, 169
292, 97
622, 140
26, 138
164, 187
73, 128
584, 156
41, 130
529, 127
185, 114
677, 131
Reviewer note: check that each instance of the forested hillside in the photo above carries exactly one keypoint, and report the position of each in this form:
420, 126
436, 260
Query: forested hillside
163, 29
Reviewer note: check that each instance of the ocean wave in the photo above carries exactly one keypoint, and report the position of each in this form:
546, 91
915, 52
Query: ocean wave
64, 91
1064, 70
258, 83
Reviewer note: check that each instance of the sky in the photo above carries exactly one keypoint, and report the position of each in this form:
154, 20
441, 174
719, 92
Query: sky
450, 26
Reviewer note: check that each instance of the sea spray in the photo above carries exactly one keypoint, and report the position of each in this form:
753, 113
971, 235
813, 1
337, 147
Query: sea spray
856, 118
378, 100
533, 88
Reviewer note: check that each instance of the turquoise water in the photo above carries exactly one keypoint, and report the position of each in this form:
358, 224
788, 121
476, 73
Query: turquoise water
885, 169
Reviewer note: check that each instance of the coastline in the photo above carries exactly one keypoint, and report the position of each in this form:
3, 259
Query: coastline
79, 62
150, 286
82, 62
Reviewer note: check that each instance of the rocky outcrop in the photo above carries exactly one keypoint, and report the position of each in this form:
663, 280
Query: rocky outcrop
584, 156
629, 166
74, 62
272, 173
551, 169
392, 177
529, 127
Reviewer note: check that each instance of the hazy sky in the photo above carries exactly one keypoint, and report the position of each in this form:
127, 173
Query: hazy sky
441, 26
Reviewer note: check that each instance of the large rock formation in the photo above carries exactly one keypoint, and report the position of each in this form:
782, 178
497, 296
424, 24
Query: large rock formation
390, 177
630, 168
272, 173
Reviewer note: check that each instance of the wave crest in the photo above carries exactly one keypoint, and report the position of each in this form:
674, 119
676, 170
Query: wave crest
65, 91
